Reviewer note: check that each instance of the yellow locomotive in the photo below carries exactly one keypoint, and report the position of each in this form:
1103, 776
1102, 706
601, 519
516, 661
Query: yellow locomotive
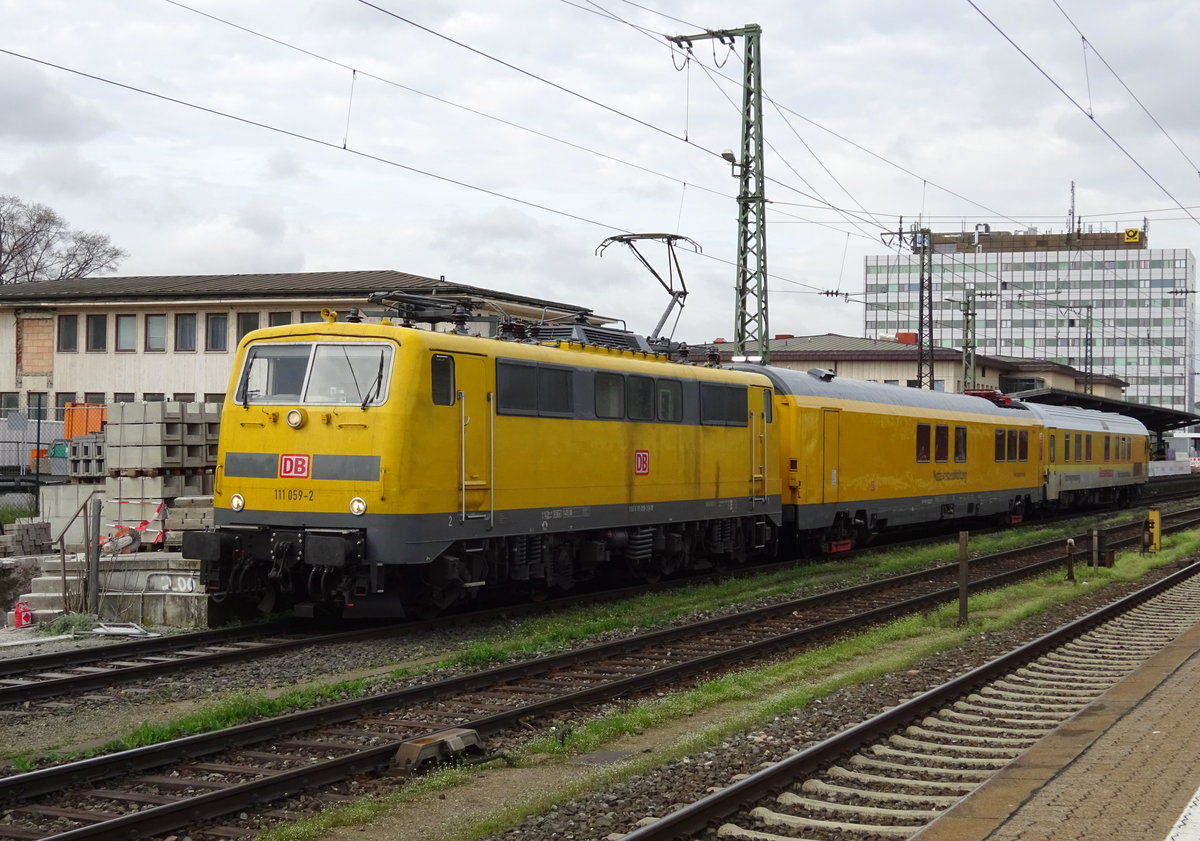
378, 470
373, 470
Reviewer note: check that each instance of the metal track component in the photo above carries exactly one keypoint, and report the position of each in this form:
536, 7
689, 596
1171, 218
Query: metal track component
946, 742
269, 759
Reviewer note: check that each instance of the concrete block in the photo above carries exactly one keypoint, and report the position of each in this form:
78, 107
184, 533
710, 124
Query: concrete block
212, 412
194, 455
193, 412
194, 433
207, 487
185, 502
131, 413
115, 413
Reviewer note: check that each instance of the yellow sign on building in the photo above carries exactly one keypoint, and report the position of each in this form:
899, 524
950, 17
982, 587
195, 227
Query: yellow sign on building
1133, 235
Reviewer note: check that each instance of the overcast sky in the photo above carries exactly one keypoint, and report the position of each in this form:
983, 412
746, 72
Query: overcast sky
564, 122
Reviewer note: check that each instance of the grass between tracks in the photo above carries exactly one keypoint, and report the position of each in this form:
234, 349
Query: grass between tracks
752, 696
549, 633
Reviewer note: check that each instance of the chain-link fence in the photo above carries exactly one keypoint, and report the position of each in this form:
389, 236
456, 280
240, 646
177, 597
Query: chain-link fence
34, 451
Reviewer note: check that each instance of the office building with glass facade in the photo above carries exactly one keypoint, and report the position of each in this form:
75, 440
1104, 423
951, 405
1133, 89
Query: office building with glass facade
1048, 296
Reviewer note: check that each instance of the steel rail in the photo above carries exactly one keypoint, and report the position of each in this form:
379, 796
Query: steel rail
214, 804
689, 821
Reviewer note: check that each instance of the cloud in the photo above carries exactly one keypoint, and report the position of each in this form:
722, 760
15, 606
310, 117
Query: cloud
37, 111
59, 170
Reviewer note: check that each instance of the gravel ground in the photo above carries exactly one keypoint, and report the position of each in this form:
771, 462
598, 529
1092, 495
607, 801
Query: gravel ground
612, 812
617, 811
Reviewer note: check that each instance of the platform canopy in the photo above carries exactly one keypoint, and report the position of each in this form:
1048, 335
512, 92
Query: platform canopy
1155, 418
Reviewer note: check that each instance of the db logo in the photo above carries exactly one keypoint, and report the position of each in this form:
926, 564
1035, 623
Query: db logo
641, 462
294, 466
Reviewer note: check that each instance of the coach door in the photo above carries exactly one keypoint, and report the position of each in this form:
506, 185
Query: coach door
831, 421
476, 402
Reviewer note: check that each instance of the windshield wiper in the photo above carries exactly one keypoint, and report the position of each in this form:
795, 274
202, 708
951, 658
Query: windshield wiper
376, 386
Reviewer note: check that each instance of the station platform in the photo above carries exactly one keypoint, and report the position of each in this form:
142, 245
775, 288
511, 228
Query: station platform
1125, 768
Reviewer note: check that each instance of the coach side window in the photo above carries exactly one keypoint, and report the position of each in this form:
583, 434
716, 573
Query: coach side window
1012, 445
1053, 438
639, 398
442, 379
922, 442
941, 443
516, 388
1088, 456
554, 391
1023, 445
1066, 446
1000, 445
723, 405
960, 443
610, 396
1107, 448
1079, 446
670, 400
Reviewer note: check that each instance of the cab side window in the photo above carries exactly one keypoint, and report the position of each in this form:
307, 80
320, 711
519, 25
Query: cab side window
441, 374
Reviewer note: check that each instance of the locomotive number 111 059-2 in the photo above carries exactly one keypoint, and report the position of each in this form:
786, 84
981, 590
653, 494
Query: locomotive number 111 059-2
293, 495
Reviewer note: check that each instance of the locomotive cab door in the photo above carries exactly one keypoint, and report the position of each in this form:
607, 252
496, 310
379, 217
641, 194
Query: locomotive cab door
476, 401
831, 455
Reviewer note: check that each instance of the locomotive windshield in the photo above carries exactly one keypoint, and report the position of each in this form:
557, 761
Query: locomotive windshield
351, 373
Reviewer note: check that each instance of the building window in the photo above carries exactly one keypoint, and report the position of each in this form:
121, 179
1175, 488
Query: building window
10, 401
246, 321
97, 333
309, 316
153, 396
214, 397
37, 403
278, 319
185, 331
96, 398
123, 397
61, 399
216, 331
156, 333
126, 333
184, 396
68, 333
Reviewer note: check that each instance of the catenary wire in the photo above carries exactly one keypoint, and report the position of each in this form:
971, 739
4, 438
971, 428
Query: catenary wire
1134, 96
1083, 110
364, 155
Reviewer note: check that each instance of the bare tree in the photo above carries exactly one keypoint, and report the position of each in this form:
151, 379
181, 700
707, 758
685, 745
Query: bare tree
36, 244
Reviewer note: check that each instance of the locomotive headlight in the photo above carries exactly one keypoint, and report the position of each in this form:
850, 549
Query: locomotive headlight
358, 506
296, 417
237, 502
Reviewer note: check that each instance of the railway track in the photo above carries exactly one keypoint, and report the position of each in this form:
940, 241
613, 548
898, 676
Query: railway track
176, 784
893, 774
90, 670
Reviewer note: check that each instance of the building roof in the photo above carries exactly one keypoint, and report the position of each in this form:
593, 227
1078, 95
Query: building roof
345, 284
855, 349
